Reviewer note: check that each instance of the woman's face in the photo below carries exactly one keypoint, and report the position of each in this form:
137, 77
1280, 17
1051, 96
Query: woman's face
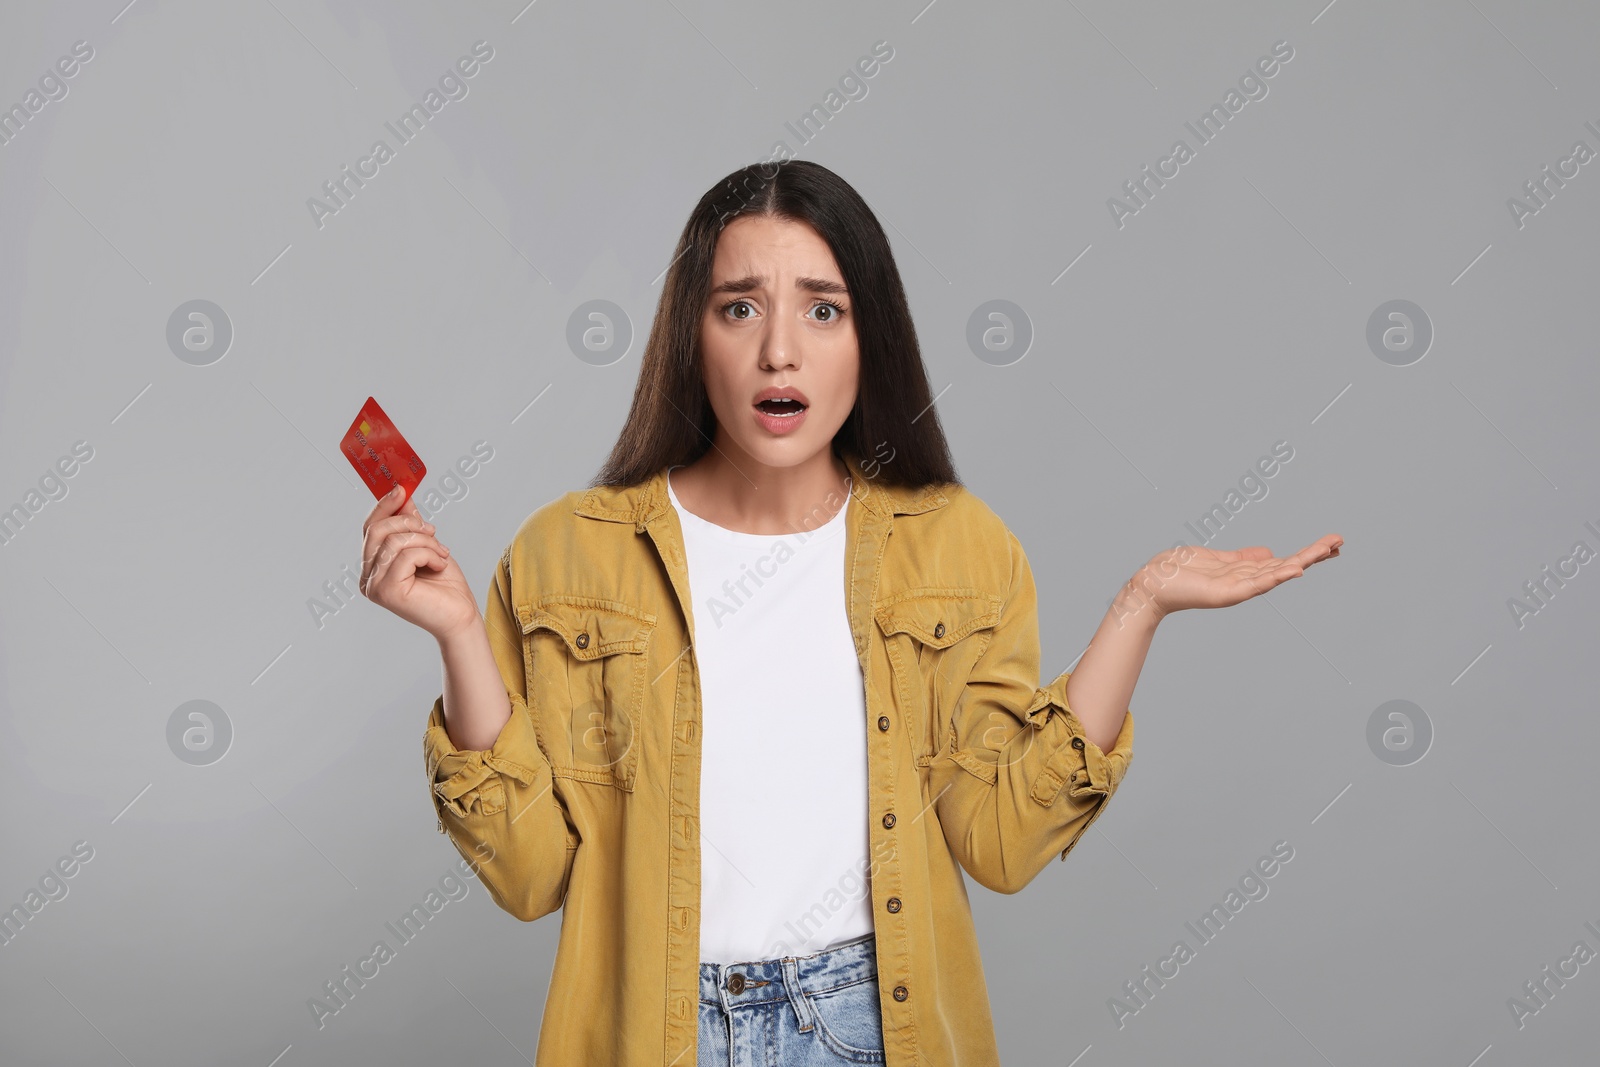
778, 317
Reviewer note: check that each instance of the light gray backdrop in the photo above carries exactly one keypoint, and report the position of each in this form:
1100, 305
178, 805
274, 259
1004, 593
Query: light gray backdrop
1155, 353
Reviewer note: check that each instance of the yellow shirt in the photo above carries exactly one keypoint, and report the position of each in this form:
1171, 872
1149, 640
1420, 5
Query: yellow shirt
589, 797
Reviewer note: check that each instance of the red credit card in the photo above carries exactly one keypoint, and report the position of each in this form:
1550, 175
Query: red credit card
380, 455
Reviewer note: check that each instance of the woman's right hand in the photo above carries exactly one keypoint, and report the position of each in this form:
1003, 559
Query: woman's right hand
405, 569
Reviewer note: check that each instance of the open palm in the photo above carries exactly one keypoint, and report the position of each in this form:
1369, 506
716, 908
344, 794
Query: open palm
1192, 576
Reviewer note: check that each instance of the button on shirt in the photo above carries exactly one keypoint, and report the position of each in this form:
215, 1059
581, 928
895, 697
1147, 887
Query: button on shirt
783, 764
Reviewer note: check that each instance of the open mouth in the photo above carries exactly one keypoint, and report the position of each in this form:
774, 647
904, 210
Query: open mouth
784, 408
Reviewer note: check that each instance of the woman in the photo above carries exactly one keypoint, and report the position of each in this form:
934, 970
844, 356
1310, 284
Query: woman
748, 705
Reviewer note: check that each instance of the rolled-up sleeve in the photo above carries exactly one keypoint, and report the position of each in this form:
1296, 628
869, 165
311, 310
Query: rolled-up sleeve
1082, 769
1016, 781
501, 806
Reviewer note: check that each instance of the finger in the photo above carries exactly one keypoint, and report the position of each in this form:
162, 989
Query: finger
373, 552
1319, 549
422, 557
394, 524
379, 564
1302, 557
404, 539
405, 563
397, 524
398, 562
386, 506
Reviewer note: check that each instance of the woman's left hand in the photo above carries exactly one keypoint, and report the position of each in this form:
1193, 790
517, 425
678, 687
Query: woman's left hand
1192, 576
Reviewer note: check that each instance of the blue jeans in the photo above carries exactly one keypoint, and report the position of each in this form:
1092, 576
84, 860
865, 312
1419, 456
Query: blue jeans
798, 1011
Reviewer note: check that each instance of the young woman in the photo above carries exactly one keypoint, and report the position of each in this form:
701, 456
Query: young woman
747, 706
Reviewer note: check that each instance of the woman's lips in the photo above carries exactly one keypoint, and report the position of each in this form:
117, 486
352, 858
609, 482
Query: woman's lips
780, 424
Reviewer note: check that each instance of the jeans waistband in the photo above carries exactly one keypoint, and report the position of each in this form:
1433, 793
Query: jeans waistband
763, 981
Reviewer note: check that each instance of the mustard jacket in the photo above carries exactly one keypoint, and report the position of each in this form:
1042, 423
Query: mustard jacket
589, 797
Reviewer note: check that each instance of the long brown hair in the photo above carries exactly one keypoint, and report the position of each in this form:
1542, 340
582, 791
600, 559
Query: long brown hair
893, 423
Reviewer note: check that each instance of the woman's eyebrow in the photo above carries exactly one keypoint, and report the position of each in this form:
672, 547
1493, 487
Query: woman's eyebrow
756, 281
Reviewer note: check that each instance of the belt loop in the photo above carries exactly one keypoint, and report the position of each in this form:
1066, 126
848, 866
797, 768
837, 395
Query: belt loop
797, 995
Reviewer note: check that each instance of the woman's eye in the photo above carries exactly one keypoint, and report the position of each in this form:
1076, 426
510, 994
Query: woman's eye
834, 311
736, 303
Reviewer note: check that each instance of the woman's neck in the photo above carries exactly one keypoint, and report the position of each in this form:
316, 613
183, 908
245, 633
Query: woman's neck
752, 497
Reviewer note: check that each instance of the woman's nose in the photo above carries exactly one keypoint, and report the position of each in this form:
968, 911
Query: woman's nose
779, 340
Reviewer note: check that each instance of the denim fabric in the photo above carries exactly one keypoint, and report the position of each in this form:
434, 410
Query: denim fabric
797, 1011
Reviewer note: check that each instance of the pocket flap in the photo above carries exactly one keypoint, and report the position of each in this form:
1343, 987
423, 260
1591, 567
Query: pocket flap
591, 627
938, 617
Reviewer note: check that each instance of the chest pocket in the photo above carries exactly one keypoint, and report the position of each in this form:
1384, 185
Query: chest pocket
934, 637
585, 662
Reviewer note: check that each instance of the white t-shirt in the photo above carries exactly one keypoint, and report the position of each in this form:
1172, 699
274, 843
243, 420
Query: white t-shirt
783, 773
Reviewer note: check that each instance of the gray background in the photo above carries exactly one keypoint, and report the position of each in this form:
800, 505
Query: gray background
1230, 313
